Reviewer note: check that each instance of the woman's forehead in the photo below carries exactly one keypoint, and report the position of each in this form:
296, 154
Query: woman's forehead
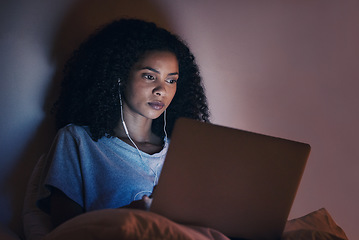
157, 60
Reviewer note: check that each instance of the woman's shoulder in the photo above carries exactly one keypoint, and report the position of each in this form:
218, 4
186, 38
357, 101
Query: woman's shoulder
75, 131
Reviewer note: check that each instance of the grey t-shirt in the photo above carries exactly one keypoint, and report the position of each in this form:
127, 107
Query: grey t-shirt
108, 173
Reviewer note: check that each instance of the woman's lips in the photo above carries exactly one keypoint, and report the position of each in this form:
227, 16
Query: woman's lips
156, 105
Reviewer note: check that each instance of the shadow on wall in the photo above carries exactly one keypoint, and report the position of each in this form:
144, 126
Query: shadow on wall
81, 20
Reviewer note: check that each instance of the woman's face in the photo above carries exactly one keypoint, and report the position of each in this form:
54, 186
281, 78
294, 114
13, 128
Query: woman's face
152, 84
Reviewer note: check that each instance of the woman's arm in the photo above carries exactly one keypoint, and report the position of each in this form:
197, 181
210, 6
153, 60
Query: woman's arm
63, 208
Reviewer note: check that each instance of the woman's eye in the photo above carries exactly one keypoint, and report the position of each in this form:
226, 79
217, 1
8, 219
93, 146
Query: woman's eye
149, 77
172, 81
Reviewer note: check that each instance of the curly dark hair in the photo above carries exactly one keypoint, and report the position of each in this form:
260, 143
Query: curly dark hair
90, 88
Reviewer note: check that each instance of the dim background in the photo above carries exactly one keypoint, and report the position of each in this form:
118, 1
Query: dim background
283, 68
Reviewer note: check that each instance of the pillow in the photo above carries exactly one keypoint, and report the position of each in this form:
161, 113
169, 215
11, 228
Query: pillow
36, 222
7, 234
136, 224
128, 224
318, 225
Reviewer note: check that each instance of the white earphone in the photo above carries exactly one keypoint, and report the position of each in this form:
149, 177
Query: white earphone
134, 144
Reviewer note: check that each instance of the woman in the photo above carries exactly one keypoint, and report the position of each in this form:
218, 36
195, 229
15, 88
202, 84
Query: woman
123, 90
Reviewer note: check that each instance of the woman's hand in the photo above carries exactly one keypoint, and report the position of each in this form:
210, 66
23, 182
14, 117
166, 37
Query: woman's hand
143, 204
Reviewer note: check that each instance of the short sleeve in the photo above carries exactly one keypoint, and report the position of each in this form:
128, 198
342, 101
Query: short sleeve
63, 170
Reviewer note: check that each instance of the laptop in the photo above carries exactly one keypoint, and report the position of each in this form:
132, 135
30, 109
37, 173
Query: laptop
240, 183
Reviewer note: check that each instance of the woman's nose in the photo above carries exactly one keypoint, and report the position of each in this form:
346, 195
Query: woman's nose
159, 90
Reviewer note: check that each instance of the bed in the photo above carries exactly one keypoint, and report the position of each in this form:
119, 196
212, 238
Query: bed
135, 224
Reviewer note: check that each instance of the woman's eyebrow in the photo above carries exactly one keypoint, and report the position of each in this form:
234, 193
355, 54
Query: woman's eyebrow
156, 71
151, 69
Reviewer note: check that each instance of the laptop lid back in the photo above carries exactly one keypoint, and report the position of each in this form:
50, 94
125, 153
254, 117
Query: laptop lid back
238, 182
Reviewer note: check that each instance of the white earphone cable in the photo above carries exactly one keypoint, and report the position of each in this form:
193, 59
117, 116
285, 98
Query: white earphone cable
138, 150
